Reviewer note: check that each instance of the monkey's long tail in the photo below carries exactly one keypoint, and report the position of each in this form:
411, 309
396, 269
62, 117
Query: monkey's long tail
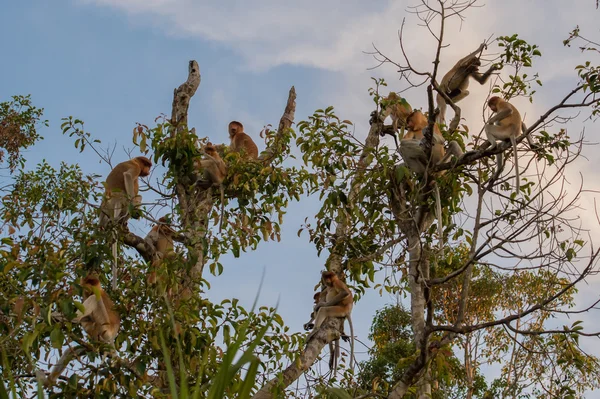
351, 342
114, 266
438, 214
441, 103
514, 145
222, 207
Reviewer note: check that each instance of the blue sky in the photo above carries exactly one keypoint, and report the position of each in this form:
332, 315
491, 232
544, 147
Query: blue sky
116, 62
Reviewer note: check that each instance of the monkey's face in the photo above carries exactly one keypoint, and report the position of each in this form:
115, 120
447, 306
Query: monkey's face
145, 164
145, 171
493, 103
316, 297
328, 281
416, 121
235, 128
475, 64
166, 231
210, 150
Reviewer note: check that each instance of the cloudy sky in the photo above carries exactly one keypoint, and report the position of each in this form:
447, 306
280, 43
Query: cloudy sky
115, 62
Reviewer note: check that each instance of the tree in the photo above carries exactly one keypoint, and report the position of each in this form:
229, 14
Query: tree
505, 264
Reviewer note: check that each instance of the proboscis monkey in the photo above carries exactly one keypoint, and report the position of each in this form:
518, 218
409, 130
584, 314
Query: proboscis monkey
334, 346
456, 81
505, 124
161, 237
411, 147
240, 141
398, 109
338, 303
214, 172
99, 320
414, 155
122, 188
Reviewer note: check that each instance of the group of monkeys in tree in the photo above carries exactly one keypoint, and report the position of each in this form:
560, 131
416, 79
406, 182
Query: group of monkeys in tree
335, 299
505, 124
100, 320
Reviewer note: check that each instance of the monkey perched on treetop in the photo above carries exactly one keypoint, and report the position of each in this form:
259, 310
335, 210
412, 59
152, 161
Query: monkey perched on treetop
240, 141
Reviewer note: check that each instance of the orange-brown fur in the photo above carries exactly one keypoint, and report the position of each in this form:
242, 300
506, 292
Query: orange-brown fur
338, 303
161, 237
100, 320
240, 141
505, 124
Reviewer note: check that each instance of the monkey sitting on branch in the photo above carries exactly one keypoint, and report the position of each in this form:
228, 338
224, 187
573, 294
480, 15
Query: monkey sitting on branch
414, 154
121, 190
506, 124
412, 147
338, 303
214, 172
334, 346
241, 142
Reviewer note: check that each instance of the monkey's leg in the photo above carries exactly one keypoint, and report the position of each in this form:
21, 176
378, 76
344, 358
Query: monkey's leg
457, 94
413, 155
115, 249
491, 132
441, 104
453, 149
532, 145
325, 312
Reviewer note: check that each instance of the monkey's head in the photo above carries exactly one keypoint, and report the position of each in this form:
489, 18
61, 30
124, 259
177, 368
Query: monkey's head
493, 103
393, 96
328, 278
416, 121
235, 127
145, 165
473, 65
90, 281
210, 149
164, 226
316, 297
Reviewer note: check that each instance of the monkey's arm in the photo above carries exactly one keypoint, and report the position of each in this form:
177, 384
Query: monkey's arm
102, 306
334, 301
467, 59
501, 114
90, 304
409, 135
152, 237
128, 180
483, 77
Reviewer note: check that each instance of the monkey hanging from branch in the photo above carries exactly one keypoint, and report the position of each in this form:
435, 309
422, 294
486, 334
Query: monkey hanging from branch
456, 81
